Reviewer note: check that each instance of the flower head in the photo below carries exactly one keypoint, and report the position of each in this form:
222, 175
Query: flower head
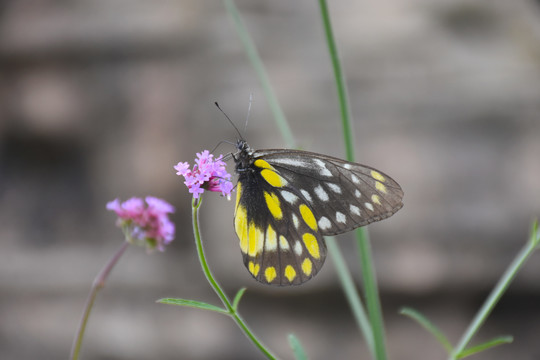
147, 224
207, 174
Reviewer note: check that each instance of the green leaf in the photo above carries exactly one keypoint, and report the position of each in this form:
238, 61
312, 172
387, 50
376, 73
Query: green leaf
298, 350
426, 324
193, 304
487, 345
237, 298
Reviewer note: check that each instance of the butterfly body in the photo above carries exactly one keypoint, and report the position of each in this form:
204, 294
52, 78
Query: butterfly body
287, 200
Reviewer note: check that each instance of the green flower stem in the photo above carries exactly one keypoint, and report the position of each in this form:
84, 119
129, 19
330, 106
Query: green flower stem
215, 286
258, 65
368, 272
496, 294
98, 284
372, 294
340, 83
350, 290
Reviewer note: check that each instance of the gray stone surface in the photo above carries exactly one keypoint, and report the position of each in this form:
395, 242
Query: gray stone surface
99, 99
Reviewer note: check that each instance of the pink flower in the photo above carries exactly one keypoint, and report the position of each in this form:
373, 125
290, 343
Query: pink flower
207, 174
148, 225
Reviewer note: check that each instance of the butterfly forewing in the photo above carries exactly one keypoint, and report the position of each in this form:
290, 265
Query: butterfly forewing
287, 200
342, 194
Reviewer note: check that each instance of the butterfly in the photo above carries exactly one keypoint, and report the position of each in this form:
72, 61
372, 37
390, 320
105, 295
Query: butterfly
287, 200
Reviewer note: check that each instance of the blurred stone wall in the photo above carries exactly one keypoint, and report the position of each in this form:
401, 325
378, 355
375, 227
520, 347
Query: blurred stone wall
99, 99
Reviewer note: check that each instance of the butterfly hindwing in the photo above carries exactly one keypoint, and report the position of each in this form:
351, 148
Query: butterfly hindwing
278, 233
287, 200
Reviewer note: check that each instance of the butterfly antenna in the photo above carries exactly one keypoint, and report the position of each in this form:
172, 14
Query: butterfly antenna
249, 111
228, 118
219, 144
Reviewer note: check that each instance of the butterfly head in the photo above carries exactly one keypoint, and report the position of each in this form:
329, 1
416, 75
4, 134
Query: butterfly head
243, 157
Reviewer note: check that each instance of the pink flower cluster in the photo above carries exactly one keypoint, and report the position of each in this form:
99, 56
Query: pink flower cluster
148, 225
207, 174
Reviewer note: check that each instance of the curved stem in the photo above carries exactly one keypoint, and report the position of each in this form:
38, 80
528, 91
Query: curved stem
347, 283
343, 98
196, 203
372, 294
98, 284
495, 296
362, 236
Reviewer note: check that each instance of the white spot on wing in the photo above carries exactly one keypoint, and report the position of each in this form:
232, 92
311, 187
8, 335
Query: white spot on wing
369, 206
357, 193
289, 197
347, 166
324, 223
291, 162
335, 188
306, 195
298, 248
271, 243
340, 217
322, 167
295, 221
321, 194
355, 210
355, 179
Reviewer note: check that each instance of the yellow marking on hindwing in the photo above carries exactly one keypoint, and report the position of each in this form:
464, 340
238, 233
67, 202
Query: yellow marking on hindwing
377, 176
290, 273
376, 199
310, 241
273, 178
238, 194
283, 243
270, 273
241, 227
307, 266
271, 239
272, 202
260, 163
255, 239
380, 186
308, 217
254, 268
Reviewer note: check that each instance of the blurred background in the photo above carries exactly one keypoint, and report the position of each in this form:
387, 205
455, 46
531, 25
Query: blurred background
99, 99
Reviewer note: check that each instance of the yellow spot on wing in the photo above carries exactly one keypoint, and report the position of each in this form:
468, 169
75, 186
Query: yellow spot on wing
262, 164
272, 201
241, 227
376, 199
307, 266
377, 176
310, 241
273, 178
238, 194
380, 186
270, 273
283, 243
254, 268
290, 273
255, 240
308, 217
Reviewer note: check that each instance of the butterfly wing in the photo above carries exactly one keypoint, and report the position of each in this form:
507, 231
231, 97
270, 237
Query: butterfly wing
342, 194
277, 229
287, 200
